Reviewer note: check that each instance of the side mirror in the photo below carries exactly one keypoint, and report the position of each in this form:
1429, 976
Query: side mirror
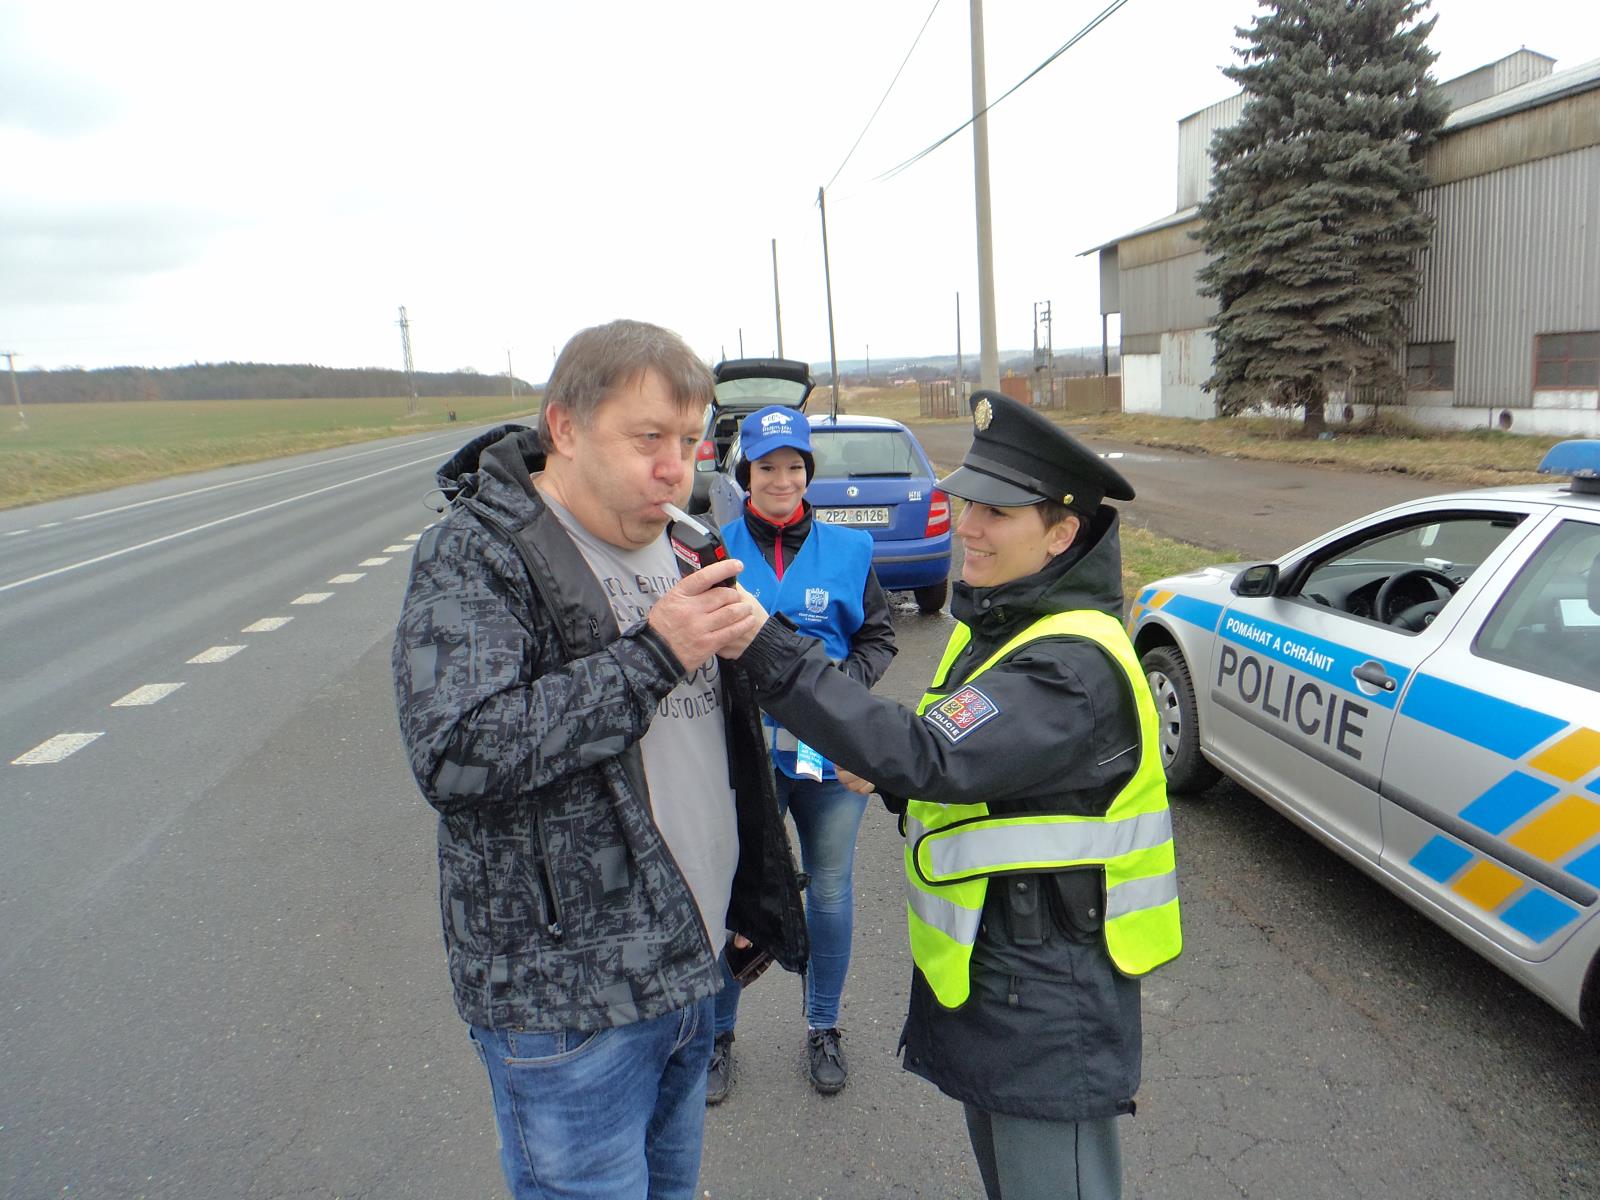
1259, 580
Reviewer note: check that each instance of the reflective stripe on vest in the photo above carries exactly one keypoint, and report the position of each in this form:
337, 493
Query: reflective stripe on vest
952, 849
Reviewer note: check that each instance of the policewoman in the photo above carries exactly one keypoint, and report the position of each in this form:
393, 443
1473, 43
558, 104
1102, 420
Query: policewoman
820, 577
1040, 876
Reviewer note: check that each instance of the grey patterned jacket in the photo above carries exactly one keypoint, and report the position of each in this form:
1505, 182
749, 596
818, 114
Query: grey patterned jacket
521, 706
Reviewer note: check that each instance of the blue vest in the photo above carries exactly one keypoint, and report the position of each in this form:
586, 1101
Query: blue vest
820, 592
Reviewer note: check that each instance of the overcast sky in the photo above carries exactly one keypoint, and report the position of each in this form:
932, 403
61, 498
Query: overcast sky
205, 182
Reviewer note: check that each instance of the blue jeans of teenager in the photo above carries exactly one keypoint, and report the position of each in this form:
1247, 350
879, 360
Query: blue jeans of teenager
827, 815
618, 1114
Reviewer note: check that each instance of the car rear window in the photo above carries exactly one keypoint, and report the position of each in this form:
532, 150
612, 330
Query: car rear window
760, 391
843, 453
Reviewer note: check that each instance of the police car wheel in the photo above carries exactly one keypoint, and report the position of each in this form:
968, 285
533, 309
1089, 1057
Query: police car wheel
931, 599
1178, 720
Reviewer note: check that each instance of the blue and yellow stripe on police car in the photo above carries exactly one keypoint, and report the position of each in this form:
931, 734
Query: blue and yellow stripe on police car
1199, 613
1537, 808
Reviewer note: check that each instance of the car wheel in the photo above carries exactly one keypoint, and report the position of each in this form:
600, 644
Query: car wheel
931, 599
1178, 720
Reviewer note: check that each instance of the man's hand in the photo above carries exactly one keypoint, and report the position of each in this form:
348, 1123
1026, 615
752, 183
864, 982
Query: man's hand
854, 782
696, 618
755, 618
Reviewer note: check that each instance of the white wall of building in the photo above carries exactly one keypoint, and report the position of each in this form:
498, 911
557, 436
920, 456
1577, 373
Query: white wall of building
1186, 358
1141, 383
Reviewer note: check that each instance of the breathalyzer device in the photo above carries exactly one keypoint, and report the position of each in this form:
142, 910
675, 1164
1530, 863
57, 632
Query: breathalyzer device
695, 543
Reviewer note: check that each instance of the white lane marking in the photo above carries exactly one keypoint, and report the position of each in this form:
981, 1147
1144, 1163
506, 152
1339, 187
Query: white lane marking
311, 598
150, 693
413, 537
56, 748
327, 462
404, 548
249, 512
216, 654
348, 577
267, 625
17, 532
372, 562
49, 525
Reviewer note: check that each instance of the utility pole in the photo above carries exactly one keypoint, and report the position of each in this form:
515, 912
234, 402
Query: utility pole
511, 377
16, 396
741, 341
413, 405
869, 364
961, 382
777, 309
827, 279
988, 351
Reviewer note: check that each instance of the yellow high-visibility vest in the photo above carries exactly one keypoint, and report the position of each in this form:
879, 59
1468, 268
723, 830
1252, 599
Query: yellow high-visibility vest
951, 850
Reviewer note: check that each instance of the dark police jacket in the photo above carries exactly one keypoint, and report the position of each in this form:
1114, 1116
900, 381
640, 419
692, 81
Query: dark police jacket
521, 705
1052, 1029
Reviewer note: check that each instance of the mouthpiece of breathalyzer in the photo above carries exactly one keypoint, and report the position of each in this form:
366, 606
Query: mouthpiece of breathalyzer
695, 543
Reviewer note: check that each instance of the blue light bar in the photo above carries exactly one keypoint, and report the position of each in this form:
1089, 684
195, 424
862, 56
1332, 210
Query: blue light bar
1579, 458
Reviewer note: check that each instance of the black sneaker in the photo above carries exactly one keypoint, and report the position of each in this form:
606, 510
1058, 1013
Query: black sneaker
719, 1075
826, 1058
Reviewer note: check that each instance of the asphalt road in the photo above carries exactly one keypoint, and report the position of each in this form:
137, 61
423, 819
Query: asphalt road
220, 969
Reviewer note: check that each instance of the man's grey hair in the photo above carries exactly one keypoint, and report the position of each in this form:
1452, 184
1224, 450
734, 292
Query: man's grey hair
598, 360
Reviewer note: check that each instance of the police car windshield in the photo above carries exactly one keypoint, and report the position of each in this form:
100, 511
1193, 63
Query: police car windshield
864, 454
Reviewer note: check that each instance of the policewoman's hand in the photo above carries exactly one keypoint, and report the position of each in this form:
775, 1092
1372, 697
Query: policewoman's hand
755, 618
854, 782
696, 618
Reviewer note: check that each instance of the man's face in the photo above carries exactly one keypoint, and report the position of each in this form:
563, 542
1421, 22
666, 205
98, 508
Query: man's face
637, 454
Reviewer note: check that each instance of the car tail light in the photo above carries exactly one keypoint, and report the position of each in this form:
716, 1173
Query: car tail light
938, 514
705, 458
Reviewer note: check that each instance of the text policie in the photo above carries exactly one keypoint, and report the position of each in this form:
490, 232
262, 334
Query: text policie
1293, 699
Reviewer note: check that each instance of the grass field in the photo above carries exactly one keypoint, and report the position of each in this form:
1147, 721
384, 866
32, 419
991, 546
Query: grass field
68, 449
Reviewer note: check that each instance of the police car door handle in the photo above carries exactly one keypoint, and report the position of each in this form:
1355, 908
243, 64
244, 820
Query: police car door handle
1371, 672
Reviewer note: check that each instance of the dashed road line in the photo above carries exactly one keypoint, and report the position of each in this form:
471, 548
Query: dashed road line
55, 749
413, 537
372, 562
49, 525
311, 598
267, 625
150, 693
348, 577
17, 532
216, 654
403, 548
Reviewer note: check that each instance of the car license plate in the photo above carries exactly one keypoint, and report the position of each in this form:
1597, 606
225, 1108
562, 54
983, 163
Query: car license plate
852, 516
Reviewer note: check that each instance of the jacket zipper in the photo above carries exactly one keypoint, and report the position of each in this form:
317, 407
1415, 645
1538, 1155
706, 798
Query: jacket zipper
552, 901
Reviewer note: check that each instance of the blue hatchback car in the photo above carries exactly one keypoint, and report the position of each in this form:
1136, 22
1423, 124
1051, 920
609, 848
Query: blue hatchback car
871, 474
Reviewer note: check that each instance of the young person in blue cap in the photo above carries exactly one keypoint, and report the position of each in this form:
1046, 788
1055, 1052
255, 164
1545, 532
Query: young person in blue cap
1041, 882
819, 576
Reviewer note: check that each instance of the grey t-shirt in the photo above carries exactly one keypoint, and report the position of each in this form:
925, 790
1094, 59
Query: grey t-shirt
685, 748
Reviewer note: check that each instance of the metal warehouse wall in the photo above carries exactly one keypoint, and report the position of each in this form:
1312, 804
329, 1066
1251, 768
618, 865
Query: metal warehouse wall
1515, 253
1161, 297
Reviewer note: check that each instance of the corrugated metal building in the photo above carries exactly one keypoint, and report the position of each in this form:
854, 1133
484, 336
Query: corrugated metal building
1505, 330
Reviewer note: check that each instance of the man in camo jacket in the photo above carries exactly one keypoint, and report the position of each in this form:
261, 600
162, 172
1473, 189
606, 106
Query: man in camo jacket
606, 809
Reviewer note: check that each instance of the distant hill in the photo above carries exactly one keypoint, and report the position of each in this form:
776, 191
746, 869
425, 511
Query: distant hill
1076, 360
248, 381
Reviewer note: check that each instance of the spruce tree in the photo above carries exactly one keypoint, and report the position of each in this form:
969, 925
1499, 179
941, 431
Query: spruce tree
1312, 226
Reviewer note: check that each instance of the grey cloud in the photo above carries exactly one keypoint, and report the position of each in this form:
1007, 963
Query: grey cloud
43, 95
64, 253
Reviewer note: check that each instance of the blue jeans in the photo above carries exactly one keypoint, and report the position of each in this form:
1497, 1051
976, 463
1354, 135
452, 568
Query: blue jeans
618, 1114
827, 815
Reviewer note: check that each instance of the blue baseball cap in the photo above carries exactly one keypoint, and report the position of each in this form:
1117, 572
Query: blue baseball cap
772, 428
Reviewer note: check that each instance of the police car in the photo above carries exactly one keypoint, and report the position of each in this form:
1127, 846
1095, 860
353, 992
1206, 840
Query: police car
1420, 690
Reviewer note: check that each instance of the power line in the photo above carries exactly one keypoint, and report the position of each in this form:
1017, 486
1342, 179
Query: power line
886, 92
1070, 42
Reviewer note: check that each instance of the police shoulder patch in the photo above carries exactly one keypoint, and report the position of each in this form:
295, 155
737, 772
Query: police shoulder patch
959, 714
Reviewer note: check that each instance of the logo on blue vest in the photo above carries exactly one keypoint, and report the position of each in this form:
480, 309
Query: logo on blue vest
816, 600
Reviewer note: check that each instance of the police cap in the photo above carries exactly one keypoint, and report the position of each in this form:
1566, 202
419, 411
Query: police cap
1018, 457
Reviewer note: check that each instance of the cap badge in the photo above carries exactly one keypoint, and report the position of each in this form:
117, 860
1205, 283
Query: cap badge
983, 414
1067, 499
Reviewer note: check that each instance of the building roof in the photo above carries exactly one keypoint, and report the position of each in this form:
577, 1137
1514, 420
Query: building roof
1526, 95
1177, 218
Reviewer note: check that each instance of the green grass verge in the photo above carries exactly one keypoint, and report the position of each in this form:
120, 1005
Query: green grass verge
70, 449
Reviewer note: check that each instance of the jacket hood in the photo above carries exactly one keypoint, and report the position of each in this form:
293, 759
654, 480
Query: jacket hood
494, 468
1089, 575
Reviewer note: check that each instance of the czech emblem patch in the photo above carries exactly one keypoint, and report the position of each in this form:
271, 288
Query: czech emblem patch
958, 715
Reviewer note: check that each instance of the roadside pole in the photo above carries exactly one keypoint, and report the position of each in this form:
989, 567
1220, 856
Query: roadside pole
16, 396
988, 350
